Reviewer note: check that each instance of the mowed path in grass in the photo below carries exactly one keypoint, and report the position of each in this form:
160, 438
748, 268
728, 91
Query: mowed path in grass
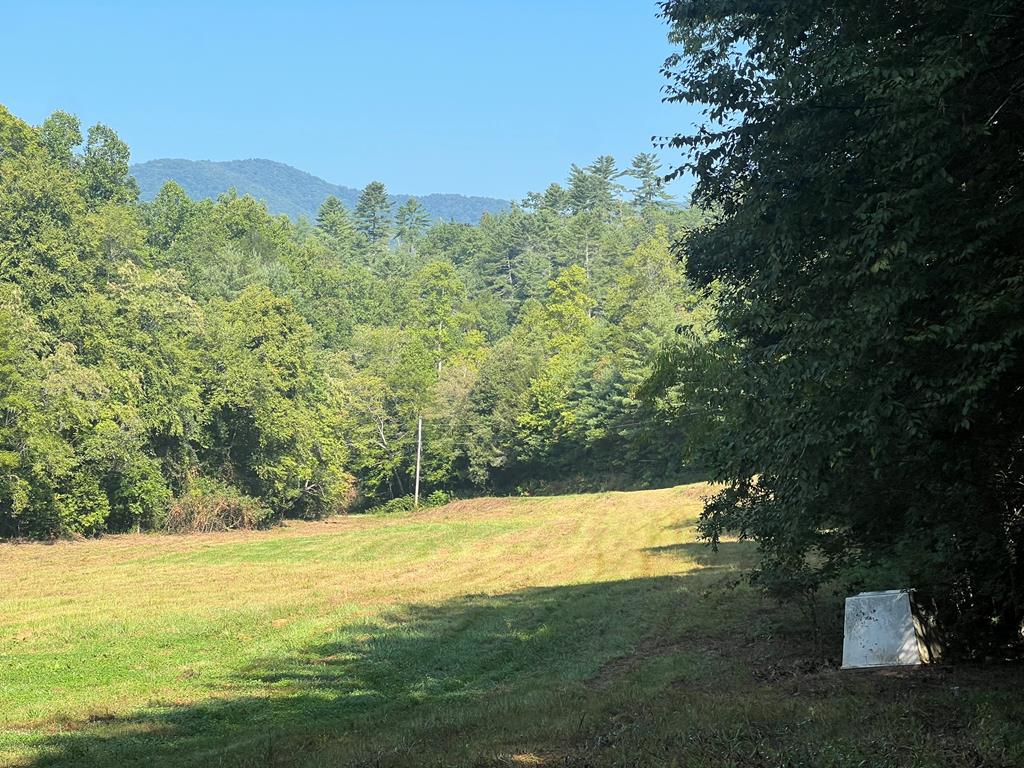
580, 630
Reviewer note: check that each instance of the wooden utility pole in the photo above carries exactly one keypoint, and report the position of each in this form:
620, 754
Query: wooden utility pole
419, 453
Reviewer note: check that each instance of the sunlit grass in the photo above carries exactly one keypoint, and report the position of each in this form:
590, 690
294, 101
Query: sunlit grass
585, 629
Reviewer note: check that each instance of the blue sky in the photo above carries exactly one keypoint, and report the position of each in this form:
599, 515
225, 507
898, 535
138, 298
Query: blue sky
491, 98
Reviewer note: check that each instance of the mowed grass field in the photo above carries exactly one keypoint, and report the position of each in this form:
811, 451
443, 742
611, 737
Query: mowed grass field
588, 630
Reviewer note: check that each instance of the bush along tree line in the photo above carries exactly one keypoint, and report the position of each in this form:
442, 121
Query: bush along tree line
201, 365
864, 404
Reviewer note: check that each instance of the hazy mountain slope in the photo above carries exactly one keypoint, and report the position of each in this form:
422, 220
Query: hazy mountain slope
288, 190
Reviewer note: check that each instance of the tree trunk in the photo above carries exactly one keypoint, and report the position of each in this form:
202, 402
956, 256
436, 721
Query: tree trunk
419, 453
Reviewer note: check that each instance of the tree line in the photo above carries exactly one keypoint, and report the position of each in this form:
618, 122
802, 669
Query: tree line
191, 363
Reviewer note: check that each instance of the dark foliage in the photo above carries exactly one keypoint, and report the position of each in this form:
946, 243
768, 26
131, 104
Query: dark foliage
866, 163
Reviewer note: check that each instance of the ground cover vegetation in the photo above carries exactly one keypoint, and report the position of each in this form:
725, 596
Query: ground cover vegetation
581, 630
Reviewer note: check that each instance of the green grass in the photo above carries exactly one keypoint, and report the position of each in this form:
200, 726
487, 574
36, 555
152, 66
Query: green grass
587, 630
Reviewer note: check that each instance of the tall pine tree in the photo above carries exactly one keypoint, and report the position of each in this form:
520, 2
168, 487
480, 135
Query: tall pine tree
651, 185
373, 213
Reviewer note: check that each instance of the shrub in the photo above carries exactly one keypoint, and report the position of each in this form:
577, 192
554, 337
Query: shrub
397, 504
407, 503
437, 499
212, 505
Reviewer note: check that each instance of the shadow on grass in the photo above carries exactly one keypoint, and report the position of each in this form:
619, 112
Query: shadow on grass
455, 683
559, 481
729, 556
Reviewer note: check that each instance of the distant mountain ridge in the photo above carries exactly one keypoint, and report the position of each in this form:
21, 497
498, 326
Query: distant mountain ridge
288, 190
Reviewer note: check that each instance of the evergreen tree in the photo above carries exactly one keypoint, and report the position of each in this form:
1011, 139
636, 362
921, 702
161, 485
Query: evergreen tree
373, 213
334, 221
330, 211
411, 221
651, 188
582, 194
556, 199
607, 190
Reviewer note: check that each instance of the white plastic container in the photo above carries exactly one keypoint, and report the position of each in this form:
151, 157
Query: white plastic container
881, 631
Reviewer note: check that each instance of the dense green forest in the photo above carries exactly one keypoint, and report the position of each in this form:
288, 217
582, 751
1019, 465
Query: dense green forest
288, 190
190, 363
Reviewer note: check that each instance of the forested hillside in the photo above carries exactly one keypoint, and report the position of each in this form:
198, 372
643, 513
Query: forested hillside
288, 190
196, 363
